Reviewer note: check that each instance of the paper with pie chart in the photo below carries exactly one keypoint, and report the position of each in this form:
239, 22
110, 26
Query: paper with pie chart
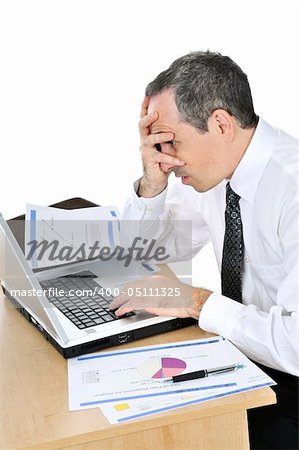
137, 381
164, 367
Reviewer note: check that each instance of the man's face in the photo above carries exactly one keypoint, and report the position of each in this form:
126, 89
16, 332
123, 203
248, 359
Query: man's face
204, 154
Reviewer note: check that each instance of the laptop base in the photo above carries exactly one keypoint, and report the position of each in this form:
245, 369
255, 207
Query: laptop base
102, 343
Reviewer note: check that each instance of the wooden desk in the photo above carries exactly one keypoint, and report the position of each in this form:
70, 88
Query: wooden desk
34, 403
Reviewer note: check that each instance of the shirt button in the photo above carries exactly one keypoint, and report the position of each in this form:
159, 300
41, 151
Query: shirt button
246, 259
139, 207
149, 208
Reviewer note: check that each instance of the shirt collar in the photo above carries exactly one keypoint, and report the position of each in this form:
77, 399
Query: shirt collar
249, 171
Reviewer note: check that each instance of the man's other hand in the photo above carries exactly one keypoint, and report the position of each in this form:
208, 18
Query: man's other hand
162, 296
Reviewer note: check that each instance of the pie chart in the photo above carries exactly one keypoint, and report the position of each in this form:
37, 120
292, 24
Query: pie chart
161, 367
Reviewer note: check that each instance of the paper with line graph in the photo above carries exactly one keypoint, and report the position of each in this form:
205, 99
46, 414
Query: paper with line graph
59, 236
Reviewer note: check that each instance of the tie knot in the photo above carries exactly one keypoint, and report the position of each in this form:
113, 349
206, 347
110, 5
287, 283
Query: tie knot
231, 197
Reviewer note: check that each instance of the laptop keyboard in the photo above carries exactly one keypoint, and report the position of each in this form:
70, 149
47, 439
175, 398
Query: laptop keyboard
83, 301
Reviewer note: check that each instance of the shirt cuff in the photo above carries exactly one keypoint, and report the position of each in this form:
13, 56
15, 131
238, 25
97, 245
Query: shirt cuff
220, 314
148, 208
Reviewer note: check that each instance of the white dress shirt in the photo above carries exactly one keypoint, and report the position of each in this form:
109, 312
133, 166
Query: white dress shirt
265, 325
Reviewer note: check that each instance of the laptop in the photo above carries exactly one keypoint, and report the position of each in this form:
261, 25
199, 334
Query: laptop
73, 324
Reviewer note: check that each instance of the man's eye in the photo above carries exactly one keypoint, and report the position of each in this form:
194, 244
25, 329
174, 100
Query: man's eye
171, 143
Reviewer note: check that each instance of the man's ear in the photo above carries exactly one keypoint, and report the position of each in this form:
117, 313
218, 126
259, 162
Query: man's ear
222, 123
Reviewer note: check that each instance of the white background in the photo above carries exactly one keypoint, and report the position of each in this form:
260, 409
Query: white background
73, 75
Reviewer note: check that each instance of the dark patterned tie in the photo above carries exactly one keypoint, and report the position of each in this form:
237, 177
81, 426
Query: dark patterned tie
233, 248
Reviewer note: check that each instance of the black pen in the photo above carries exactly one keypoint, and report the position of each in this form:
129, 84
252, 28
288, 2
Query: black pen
205, 373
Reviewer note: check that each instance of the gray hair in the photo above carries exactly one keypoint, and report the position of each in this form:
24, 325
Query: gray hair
203, 82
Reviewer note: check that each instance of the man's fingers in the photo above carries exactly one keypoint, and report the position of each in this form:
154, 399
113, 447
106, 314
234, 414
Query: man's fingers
147, 120
144, 106
119, 301
123, 310
145, 123
168, 312
132, 305
163, 158
158, 138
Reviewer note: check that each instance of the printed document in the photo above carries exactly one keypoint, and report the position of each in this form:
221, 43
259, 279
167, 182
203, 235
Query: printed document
129, 384
66, 232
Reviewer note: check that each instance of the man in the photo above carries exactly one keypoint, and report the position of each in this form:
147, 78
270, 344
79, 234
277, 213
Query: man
198, 121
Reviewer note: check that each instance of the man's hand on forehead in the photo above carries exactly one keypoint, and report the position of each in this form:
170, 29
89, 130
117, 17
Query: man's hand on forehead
158, 160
